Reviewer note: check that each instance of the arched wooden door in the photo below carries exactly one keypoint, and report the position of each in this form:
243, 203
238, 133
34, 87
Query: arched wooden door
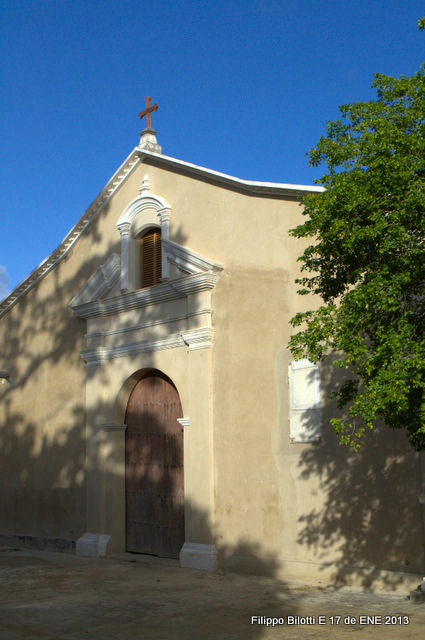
154, 468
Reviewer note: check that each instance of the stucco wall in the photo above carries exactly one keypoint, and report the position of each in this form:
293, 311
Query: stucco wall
42, 413
288, 509
42, 448
285, 509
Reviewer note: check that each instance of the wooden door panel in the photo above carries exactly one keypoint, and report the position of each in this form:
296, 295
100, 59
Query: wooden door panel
154, 468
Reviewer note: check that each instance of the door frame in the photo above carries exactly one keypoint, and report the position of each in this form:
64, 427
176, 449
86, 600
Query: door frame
108, 388
154, 373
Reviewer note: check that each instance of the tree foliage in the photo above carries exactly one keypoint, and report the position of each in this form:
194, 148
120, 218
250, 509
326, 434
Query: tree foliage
367, 260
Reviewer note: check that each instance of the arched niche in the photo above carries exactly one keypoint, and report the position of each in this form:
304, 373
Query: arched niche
144, 212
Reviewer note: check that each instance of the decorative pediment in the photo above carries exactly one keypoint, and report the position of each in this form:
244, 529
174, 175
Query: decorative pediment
145, 202
100, 283
145, 211
173, 313
186, 260
198, 274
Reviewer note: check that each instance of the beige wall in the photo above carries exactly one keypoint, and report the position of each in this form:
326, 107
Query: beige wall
42, 414
306, 511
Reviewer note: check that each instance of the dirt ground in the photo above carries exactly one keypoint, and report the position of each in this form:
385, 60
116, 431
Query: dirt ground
56, 596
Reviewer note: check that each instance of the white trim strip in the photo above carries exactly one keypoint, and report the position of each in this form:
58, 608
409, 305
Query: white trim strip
196, 339
138, 154
70, 239
170, 290
152, 323
185, 422
252, 186
113, 427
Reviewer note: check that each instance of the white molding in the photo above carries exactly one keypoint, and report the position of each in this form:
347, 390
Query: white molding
71, 238
142, 203
198, 556
196, 339
162, 292
250, 186
264, 189
187, 260
151, 323
102, 281
185, 422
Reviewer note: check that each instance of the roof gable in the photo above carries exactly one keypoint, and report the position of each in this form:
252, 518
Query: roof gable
140, 155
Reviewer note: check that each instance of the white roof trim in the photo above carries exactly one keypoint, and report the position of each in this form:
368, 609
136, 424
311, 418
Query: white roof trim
136, 156
251, 186
71, 238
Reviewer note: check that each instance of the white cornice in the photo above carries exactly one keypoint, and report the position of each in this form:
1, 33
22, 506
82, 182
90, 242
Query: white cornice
140, 155
251, 187
170, 290
200, 338
152, 323
102, 281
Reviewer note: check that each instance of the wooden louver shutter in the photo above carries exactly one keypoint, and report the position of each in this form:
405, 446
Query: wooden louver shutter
150, 258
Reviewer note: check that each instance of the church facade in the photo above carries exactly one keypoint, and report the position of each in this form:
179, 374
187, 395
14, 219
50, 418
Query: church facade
151, 404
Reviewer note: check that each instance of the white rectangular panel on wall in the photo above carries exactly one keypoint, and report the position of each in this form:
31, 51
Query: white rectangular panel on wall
304, 401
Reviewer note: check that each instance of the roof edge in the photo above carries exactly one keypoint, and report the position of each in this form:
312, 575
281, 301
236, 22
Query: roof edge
136, 156
72, 236
247, 186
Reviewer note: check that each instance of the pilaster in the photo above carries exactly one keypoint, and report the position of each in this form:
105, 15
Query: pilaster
198, 550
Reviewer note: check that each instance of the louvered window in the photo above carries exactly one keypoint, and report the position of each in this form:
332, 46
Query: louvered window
150, 258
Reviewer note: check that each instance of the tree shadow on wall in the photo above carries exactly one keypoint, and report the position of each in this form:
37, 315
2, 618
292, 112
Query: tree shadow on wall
43, 410
42, 490
47, 488
367, 518
44, 458
159, 508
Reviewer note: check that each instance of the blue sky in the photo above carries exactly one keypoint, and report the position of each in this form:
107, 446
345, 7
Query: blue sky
243, 87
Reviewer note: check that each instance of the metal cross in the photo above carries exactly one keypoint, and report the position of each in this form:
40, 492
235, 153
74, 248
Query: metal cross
147, 112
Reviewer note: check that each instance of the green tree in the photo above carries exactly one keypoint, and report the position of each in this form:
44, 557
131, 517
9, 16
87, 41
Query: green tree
367, 260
